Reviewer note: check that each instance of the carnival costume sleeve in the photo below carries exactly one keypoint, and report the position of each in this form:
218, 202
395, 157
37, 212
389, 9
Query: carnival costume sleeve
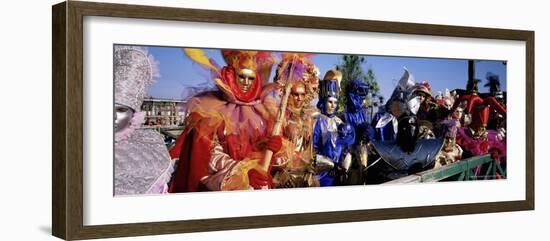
192, 149
218, 135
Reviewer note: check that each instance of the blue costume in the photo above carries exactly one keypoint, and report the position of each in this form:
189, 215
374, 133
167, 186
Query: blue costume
356, 114
384, 133
331, 137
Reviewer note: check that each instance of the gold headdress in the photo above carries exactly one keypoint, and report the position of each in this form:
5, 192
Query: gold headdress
305, 73
333, 75
239, 59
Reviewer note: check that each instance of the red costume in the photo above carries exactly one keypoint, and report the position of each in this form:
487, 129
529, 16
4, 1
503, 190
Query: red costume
475, 138
479, 109
226, 131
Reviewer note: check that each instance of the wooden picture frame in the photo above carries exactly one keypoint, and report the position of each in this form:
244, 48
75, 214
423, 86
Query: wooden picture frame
67, 123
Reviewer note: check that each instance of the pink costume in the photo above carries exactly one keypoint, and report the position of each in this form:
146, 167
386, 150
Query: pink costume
475, 138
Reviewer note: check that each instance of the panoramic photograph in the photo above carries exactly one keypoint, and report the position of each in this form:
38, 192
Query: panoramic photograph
204, 119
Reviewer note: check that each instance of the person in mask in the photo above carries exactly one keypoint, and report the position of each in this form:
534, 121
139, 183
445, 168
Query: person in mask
228, 130
295, 168
331, 136
142, 163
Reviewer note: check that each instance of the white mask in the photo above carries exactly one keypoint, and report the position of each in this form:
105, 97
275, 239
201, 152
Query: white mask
414, 104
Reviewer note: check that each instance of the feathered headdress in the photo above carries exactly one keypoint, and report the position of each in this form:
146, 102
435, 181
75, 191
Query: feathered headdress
260, 62
300, 63
200, 57
304, 72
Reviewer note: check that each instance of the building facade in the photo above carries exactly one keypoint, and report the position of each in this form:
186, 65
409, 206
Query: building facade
163, 113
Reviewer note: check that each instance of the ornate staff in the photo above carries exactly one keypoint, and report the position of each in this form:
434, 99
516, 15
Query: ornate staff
238, 178
280, 115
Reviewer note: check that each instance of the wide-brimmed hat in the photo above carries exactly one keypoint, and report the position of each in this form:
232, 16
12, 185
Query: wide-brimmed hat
423, 87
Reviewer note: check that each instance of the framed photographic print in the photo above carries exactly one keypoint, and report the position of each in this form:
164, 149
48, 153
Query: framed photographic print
171, 120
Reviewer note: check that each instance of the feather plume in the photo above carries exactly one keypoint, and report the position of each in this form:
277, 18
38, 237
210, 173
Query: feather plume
200, 57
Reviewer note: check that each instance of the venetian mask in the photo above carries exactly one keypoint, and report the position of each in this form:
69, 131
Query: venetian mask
298, 96
421, 97
457, 113
448, 104
123, 116
245, 79
332, 103
414, 104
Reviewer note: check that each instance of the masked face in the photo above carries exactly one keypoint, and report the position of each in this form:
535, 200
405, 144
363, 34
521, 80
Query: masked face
414, 104
448, 104
245, 79
457, 114
297, 95
123, 115
422, 97
332, 103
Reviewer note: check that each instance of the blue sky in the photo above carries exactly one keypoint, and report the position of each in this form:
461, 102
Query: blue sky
177, 72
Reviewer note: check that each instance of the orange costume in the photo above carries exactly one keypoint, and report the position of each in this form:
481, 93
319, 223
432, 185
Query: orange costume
227, 131
295, 166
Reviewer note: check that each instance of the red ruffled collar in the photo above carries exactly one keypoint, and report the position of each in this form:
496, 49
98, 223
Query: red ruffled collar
230, 85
